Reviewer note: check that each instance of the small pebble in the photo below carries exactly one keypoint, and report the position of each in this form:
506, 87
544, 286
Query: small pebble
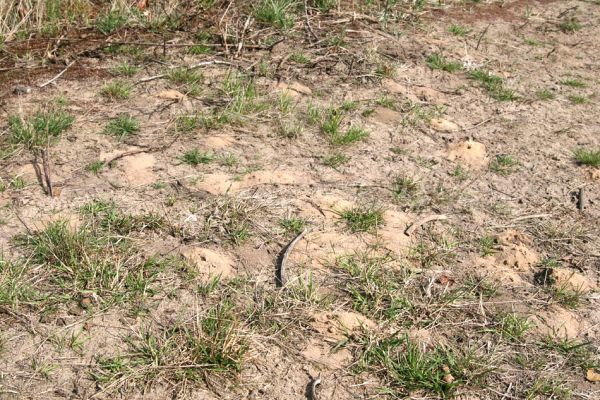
21, 89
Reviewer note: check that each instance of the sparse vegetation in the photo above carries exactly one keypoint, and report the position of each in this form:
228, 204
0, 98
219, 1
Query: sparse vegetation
122, 126
493, 84
119, 90
335, 160
203, 149
578, 99
458, 30
279, 13
545, 94
436, 61
587, 157
503, 164
407, 367
363, 218
570, 25
195, 157
404, 186
576, 83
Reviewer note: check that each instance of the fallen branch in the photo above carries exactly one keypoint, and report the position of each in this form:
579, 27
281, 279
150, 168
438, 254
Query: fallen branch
47, 175
411, 229
57, 76
280, 278
193, 66
146, 150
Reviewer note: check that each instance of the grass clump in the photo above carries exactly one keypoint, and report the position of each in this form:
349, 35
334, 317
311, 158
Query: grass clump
375, 286
458, 30
404, 186
111, 21
578, 99
493, 84
299, 58
512, 327
437, 61
125, 69
545, 94
504, 164
352, 135
187, 78
331, 122
335, 160
122, 126
187, 123
95, 167
576, 83
214, 342
292, 225
42, 128
15, 285
81, 262
570, 25
195, 157
241, 93
278, 13
117, 90
487, 245
363, 218
587, 157
229, 219
407, 368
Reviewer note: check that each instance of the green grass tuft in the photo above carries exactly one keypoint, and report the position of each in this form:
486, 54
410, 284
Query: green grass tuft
588, 157
122, 126
437, 61
279, 13
195, 157
493, 84
37, 131
120, 90
362, 218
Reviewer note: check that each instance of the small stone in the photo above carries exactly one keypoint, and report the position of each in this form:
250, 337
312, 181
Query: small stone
448, 378
170, 94
21, 90
85, 303
75, 310
385, 115
45, 319
443, 125
300, 88
592, 375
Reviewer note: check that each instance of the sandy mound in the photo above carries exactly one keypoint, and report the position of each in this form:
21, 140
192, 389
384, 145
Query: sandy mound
221, 183
338, 324
220, 142
472, 154
558, 322
443, 125
138, 169
320, 249
318, 352
385, 116
209, 263
571, 280
392, 232
514, 261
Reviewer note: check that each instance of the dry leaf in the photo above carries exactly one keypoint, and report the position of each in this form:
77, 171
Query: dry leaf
170, 94
592, 375
445, 280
